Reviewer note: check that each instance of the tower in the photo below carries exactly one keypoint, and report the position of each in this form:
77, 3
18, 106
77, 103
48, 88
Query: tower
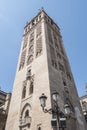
43, 67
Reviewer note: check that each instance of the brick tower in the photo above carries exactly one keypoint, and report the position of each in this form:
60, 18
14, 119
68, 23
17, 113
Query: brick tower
43, 67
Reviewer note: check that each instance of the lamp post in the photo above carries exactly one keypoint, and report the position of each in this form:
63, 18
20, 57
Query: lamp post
60, 116
85, 115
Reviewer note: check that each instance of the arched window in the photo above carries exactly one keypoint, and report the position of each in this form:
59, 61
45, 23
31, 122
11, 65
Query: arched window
24, 92
31, 88
27, 113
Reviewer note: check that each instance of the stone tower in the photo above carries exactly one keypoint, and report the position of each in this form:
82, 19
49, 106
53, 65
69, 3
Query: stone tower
43, 67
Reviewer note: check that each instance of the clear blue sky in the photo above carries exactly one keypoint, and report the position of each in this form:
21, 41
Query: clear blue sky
70, 15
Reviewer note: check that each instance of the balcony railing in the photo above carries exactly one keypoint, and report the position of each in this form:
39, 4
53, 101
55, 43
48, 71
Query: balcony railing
28, 76
25, 121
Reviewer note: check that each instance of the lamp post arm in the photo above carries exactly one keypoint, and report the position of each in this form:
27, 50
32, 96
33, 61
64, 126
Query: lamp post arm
47, 110
51, 111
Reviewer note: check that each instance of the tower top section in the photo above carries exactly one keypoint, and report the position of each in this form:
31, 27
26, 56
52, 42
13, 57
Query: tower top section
42, 15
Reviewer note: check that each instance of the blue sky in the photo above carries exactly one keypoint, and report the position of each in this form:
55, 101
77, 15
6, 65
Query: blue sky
70, 15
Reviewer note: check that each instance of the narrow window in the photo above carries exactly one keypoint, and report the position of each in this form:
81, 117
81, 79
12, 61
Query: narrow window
31, 36
31, 88
25, 41
30, 59
37, 19
64, 83
22, 60
68, 76
33, 22
29, 73
61, 45
31, 49
24, 92
58, 55
65, 87
61, 67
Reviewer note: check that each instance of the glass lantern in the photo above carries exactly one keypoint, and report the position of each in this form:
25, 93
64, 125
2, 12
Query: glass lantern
55, 96
43, 99
67, 109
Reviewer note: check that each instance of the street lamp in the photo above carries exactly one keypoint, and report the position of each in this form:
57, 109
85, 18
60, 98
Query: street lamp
43, 99
60, 116
67, 109
55, 96
85, 115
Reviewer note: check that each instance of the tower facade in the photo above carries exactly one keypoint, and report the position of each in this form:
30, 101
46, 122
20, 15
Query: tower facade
43, 67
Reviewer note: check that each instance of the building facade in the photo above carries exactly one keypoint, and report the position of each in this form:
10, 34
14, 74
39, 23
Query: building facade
83, 101
43, 67
4, 107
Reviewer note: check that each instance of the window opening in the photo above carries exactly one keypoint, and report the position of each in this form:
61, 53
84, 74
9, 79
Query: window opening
31, 87
30, 59
39, 128
27, 113
24, 92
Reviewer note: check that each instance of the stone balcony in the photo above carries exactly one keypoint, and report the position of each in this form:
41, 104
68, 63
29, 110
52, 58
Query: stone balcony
25, 122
